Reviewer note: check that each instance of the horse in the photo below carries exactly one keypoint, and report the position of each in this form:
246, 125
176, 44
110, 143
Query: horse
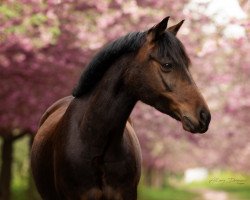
86, 147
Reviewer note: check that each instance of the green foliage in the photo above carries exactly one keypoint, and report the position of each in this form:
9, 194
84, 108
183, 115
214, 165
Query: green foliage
19, 29
10, 11
38, 19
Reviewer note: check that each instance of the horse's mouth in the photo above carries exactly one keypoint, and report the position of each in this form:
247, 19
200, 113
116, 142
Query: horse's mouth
175, 115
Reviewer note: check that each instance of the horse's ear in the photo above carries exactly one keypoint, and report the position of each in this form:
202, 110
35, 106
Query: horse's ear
156, 31
174, 29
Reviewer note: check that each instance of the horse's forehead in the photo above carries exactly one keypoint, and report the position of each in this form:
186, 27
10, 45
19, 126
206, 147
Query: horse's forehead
174, 50
168, 47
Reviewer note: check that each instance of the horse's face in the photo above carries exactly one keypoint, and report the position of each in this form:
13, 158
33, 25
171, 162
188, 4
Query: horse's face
165, 81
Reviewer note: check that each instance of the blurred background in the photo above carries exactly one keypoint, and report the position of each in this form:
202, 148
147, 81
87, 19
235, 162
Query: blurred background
44, 46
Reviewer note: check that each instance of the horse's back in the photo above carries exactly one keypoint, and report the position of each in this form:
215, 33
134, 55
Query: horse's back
42, 148
50, 120
61, 103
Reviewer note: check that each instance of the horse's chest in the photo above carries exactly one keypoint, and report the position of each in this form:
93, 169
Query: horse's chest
105, 175
114, 180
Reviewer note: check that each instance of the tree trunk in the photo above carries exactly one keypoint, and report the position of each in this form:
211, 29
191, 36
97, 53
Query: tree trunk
5, 174
148, 176
158, 178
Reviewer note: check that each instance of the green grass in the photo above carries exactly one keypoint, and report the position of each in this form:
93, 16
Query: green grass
19, 193
240, 192
237, 185
168, 193
21, 172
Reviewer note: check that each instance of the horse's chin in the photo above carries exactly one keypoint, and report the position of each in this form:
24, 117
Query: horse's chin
174, 115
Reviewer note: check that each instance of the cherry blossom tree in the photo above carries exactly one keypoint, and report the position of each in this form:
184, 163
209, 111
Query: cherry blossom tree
44, 45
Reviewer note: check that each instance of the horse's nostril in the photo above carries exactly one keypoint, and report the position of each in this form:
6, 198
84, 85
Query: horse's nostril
205, 116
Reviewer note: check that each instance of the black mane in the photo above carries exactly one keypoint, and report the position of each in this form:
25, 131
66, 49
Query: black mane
104, 58
168, 45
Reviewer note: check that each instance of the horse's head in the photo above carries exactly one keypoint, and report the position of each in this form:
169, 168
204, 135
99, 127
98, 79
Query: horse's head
163, 79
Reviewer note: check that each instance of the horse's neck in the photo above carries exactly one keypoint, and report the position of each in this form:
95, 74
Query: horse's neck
106, 112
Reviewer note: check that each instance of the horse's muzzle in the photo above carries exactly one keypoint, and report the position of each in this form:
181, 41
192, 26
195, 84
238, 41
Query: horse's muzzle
201, 126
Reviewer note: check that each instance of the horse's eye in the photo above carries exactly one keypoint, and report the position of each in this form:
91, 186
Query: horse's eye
167, 67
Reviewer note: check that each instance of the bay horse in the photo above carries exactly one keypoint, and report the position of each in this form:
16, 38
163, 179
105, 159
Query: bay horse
86, 148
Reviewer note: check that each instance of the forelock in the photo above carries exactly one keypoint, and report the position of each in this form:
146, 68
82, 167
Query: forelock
171, 46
